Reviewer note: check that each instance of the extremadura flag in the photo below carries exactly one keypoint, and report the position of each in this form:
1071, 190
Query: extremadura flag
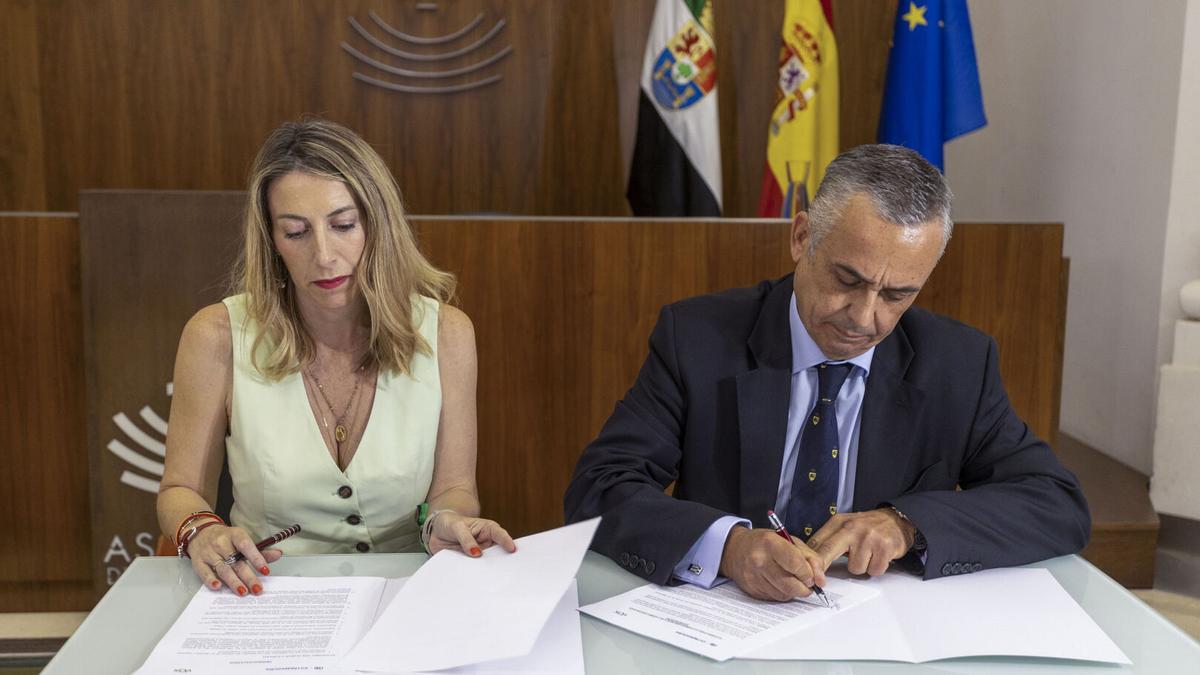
676, 167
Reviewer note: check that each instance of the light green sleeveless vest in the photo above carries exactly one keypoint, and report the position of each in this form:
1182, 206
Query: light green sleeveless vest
282, 470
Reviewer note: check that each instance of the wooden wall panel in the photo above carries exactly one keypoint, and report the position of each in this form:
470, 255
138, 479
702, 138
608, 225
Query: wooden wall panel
45, 497
629, 46
47, 596
144, 94
188, 91
149, 261
562, 330
1007, 280
562, 314
864, 37
747, 71
580, 164
22, 173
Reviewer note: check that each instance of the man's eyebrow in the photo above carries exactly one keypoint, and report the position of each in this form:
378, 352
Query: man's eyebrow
858, 276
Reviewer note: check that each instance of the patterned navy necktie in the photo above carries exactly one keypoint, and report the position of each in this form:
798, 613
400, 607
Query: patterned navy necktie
815, 482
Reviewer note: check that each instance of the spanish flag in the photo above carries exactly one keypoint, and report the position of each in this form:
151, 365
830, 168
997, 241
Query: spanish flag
802, 137
677, 155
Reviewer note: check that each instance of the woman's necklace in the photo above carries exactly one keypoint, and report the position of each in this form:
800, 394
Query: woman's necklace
340, 432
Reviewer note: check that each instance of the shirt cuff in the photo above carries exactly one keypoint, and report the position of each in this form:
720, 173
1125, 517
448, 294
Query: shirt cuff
702, 561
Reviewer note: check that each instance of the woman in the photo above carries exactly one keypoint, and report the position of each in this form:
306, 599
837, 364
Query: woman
338, 384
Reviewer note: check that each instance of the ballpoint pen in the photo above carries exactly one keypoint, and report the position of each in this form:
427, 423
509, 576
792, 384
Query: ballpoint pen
273, 539
782, 531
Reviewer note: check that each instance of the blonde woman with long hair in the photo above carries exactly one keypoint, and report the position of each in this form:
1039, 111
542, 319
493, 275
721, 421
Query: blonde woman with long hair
337, 382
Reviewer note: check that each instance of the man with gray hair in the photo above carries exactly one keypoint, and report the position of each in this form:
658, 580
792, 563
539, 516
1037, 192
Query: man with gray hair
878, 431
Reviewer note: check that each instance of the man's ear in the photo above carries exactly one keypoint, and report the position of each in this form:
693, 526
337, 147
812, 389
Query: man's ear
800, 235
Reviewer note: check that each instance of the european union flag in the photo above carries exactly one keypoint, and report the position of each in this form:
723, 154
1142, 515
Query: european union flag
932, 93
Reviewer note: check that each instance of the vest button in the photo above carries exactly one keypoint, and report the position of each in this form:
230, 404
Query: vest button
345, 491
362, 547
353, 519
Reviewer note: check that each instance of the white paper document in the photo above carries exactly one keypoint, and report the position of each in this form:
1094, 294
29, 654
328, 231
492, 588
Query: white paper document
895, 617
309, 624
1000, 612
558, 650
721, 622
459, 616
297, 623
501, 601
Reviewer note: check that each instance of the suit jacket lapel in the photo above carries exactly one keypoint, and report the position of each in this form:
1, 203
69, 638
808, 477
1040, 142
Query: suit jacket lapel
892, 407
763, 395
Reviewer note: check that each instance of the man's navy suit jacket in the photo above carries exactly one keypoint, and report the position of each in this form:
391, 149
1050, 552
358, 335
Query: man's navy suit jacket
709, 411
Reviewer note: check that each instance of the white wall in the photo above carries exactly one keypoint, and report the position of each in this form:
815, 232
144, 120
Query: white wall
1181, 256
1081, 97
1176, 460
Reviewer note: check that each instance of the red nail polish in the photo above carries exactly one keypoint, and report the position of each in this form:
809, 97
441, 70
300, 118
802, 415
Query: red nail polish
215, 585
256, 589
475, 552
264, 569
241, 590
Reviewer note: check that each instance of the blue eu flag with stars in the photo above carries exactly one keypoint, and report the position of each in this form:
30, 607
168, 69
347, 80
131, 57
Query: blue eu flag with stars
932, 93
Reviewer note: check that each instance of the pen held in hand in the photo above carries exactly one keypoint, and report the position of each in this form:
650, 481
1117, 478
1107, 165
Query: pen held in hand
269, 541
777, 524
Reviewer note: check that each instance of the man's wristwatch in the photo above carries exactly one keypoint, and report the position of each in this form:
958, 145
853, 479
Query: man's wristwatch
919, 545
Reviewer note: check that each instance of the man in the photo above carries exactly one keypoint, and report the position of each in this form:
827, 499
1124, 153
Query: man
826, 397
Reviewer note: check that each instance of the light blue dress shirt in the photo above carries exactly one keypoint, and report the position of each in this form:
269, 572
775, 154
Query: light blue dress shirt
700, 564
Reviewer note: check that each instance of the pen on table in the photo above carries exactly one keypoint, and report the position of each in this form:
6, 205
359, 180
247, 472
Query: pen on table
269, 541
782, 531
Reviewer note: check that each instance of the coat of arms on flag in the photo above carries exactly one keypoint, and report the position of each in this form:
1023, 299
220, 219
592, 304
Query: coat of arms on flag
796, 86
802, 135
686, 69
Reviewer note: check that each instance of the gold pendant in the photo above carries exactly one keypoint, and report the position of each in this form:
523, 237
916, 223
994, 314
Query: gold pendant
339, 432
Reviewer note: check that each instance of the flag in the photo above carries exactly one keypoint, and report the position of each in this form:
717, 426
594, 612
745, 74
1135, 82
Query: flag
676, 167
932, 93
802, 137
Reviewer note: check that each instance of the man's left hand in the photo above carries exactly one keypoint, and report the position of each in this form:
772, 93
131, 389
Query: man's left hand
871, 540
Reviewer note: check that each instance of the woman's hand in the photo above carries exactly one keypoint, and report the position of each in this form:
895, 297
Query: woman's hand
211, 546
472, 535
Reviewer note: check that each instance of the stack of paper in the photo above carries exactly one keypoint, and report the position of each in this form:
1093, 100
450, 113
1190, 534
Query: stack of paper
503, 613
895, 617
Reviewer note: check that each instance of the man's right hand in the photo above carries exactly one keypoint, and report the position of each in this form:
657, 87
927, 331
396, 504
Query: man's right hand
766, 566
